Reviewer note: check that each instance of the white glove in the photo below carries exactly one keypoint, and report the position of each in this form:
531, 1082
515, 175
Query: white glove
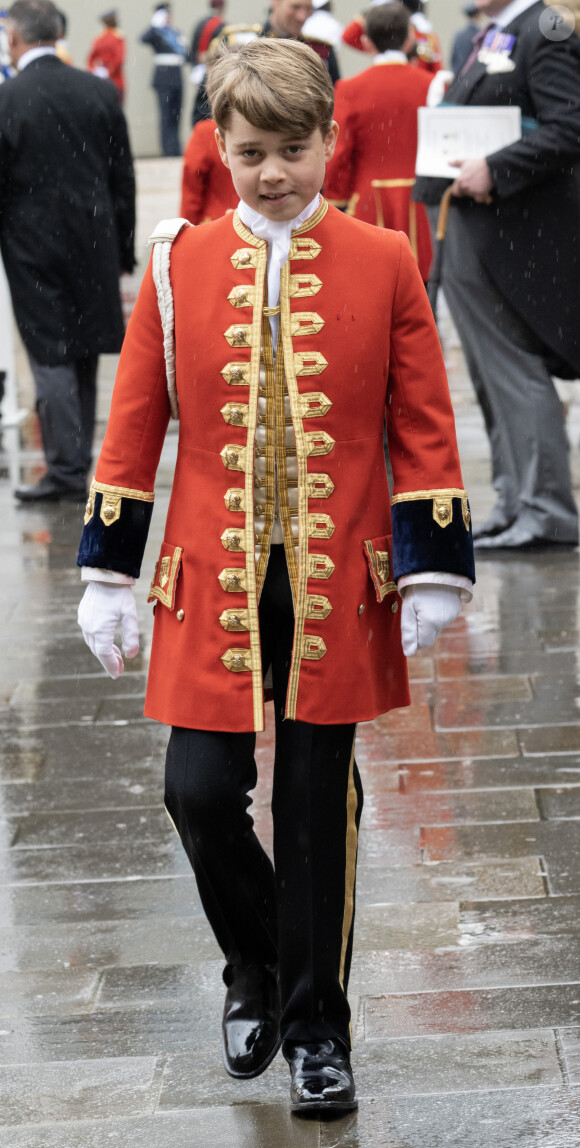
425, 612
103, 609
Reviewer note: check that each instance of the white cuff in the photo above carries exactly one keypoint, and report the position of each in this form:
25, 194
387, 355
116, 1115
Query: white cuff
438, 578
113, 577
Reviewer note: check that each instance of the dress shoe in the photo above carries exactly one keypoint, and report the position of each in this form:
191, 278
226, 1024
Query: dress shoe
48, 491
251, 1020
322, 1081
496, 523
519, 537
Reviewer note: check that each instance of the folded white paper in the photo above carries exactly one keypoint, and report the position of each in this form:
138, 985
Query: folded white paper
457, 133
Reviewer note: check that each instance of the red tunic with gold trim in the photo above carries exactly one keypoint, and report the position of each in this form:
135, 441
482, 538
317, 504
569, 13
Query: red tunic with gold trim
356, 339
207, 191
108, 51
373, 168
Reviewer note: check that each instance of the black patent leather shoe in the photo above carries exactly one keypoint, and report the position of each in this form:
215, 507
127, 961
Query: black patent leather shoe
251, 1020
322, 1082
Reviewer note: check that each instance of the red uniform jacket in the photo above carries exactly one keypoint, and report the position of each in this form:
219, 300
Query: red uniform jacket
207, 191
357, 339
108, 51
377, 114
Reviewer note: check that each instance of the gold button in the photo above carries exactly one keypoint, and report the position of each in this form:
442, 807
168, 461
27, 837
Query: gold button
239, 334
236, 416
244, 257
236, 374
233, 580
443, 513
109, 513
234, 619
234, 539
235, 501
361, 608
394, 607
241, 295
237, 662
89, 507
180, 615
232, 457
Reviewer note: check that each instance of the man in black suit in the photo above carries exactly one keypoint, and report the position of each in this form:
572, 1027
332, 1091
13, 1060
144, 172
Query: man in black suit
511, 267
67, 220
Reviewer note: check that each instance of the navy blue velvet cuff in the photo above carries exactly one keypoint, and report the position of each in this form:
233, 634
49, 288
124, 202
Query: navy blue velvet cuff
121, 545
421, 544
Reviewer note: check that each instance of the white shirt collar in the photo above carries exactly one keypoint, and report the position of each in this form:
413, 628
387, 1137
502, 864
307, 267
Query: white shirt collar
34, 54
390, 57
515, 8
277, 236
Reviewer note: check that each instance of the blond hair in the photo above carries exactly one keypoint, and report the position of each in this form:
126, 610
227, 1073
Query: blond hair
276, 85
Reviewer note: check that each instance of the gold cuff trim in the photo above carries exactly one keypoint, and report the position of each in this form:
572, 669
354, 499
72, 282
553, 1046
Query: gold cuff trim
233, 581
236, 373
112, 500
235, 620
309, 363
442, 504
303, 285
416, 495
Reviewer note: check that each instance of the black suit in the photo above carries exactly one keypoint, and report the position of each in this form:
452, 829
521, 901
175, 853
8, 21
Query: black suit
523, 251
67, 219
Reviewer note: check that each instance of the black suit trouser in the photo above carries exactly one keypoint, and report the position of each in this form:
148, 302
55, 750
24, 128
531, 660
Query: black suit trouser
299, 912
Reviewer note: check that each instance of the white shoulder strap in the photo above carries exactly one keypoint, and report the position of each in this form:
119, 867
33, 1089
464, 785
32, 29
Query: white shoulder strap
161, 240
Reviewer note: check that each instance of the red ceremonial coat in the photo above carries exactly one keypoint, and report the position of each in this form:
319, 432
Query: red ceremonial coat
108, 51
207, 191
377, 115
357, 338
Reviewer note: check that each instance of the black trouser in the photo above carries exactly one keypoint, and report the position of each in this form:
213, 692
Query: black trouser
299, 913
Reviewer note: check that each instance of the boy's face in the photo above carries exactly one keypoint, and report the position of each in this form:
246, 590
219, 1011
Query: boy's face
276, 173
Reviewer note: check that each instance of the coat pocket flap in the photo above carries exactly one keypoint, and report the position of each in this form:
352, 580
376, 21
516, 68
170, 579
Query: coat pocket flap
165, 575
378, 552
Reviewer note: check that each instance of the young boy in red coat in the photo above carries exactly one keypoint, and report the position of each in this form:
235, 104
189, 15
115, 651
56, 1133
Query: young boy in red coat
296, 331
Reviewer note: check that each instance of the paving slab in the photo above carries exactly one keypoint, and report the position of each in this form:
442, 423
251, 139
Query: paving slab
491, 878
237, 1126
471, 1011
511, 1118
557, 842
449, 776
73, 1090
107, 900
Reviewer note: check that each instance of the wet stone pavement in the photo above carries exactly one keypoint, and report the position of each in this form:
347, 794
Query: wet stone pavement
465, 986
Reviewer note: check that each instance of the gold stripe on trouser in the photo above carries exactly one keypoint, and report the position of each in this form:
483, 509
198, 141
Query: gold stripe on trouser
350, 866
